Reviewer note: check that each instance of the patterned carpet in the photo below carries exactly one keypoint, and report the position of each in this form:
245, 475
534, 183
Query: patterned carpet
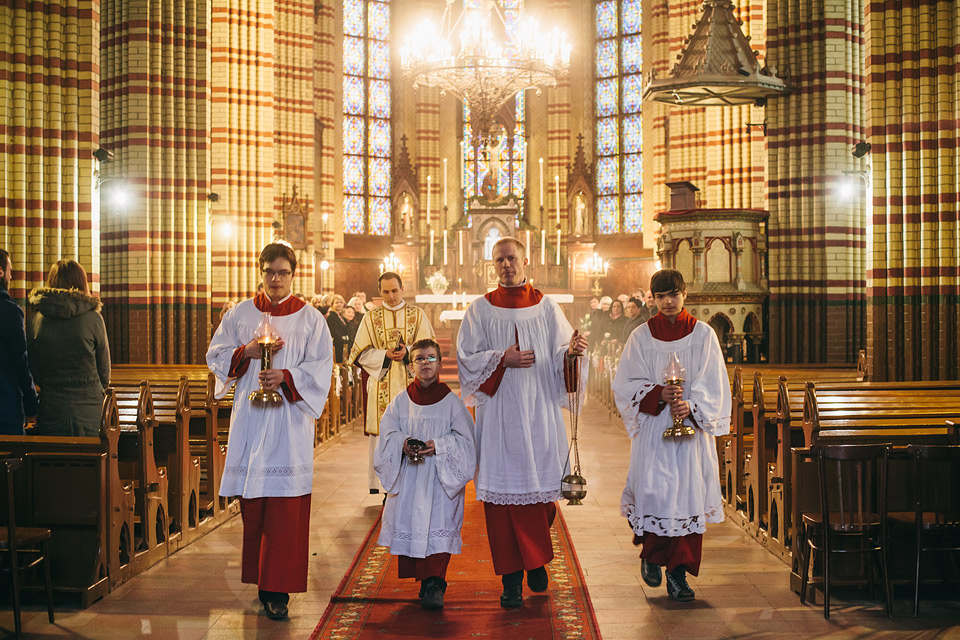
372, 602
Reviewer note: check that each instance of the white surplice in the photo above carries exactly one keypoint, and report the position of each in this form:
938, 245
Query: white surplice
521, 438
673, 485
270, 449
424, 510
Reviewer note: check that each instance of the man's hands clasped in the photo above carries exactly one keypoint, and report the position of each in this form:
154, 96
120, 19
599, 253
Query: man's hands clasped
672, 395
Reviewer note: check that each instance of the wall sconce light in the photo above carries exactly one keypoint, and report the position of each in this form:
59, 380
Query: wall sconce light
103, 155
213, 197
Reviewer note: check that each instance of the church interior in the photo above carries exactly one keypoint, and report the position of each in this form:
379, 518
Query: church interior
797, 161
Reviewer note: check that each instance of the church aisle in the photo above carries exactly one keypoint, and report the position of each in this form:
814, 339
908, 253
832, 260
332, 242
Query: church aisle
742, 590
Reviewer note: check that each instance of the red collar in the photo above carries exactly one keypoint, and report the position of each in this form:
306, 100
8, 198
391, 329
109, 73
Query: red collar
661, 329
288, 307
426, 396
514, 297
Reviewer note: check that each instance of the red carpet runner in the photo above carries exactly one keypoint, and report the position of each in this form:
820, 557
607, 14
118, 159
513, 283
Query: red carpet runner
371, 602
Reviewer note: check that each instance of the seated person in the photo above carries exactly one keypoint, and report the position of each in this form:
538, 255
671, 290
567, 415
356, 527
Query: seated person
424, 459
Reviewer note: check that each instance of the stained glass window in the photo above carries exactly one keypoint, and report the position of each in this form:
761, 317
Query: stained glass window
366, 120
511, 162
618, 61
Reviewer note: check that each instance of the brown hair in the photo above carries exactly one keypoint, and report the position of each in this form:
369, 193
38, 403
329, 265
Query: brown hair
276, 250
389, 275
68, 274
666, 281
425, 344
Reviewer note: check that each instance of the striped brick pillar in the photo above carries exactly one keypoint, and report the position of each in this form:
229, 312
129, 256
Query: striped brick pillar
242, 132
325, 91
294, 121
50, 122
154, 106
816, 237
427, 145
913, 111
561, 143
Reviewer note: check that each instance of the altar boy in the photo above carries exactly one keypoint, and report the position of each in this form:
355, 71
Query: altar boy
424, 459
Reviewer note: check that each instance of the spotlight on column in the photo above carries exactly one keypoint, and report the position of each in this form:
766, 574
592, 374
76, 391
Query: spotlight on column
324, 265
120, 196
846, 188
226, 230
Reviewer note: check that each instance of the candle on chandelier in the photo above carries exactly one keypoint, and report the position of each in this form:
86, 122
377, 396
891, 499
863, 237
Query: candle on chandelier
429, 180
541, 183
543, 247
444, 247
431, 246
444, 182
557, 183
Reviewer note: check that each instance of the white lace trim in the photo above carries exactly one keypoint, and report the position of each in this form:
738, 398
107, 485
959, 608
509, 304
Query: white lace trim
673, 527
718, 427
269, 472
420, 536
533, 497
454, 462
469, 391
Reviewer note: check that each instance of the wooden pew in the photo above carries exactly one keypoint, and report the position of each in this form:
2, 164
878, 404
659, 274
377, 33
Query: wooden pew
72, 486
138, 465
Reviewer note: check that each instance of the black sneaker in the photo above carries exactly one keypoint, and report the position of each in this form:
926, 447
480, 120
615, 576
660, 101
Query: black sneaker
650, 573
512, 596
677, 587
433, 590
537, 579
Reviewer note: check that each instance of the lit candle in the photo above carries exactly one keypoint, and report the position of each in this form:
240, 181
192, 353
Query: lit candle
381, 267
459, 283
543, 247
431, 246
541, 183
529, 248
558, 245
444, 246
557, 183
429, 179
460, 245
444, 182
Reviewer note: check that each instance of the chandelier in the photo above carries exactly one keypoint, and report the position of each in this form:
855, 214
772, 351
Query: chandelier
596, 269
481, 61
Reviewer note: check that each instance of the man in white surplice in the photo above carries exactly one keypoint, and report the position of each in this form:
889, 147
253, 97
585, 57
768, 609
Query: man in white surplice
424, 511
380, 348
270, 451
673, 485
511, 352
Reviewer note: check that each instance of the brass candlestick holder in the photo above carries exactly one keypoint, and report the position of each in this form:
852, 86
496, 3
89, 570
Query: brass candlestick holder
266, 335
675, 374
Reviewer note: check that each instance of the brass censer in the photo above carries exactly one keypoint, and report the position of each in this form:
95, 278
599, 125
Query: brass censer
573, 486
266, 336
675, 374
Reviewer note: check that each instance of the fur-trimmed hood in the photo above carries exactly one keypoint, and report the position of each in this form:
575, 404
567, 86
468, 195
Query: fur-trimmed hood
62, 303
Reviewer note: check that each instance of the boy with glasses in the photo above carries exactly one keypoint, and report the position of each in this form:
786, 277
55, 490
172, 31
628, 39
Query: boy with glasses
424, 458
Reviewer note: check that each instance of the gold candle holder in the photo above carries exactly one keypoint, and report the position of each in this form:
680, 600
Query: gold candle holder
677, 429
265, 397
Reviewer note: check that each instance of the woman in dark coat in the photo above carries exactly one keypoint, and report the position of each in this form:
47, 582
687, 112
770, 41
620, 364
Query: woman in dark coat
337, 326
69, 354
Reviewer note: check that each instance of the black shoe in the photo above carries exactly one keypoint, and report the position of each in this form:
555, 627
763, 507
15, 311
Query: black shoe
432, 590
275, 610
374, 492
677, 587
650, 573
512, 596
537, 580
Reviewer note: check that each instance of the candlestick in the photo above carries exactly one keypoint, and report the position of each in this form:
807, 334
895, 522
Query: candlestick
444, 247
444, 182
459, 283
529, 247
429, 179
541, 183
431, 247
543, 247
558, 245
460, 246
557, 183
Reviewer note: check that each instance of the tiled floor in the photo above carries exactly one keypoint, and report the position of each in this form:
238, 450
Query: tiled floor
742, 591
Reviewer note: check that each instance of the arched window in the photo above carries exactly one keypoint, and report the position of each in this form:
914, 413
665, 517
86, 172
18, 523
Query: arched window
366, 116
619, 134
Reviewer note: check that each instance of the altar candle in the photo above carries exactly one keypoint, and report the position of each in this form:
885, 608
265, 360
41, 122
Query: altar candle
558, 245
431, 246
459, 283
444, 182
529, 246
557, 183
444, 246
429, 179
543, 247
460, 246
541, 183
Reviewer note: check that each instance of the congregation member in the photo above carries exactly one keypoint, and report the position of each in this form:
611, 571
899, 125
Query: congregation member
69, 353
269, 461
425, 458
380, 349
673, 483
511, 352
617, 321
18, 397
338, 327
632, 312
352, 323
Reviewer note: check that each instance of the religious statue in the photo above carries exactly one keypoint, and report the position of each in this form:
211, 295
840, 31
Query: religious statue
406, 214
580, 214
489, 187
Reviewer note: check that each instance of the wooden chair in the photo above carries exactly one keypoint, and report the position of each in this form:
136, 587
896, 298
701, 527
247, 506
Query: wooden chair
23, 541
936, 518
853, 493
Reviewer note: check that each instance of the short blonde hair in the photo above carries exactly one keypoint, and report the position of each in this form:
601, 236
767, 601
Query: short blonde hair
508, 240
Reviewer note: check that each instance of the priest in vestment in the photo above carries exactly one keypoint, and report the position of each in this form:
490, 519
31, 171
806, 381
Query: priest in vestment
270, 449
673, 485
423, 514
380, 349
511, 351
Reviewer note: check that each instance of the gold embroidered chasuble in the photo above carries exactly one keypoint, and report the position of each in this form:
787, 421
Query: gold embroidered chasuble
380, 331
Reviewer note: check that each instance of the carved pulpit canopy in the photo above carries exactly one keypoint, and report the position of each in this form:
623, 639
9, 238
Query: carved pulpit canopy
294, 221
406, 194
580, 198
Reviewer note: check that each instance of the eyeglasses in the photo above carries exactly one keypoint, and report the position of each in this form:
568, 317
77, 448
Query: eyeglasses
271, 274
425, 359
